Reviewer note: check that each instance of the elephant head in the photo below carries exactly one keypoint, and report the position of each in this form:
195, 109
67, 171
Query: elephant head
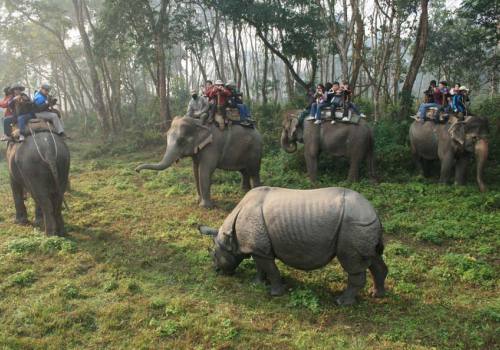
471, 135
289, 133
185, 138
225, 254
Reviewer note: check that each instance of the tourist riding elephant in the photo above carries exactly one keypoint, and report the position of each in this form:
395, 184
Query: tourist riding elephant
453, 143
353, 141
40, 165
304, 229
237, 148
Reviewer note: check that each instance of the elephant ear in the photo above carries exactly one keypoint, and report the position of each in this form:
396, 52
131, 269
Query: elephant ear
203, 138
227, 232
457, 132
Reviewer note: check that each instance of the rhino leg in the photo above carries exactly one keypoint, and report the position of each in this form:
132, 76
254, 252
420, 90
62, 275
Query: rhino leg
269, 268
355, 282
379, 271
261, 277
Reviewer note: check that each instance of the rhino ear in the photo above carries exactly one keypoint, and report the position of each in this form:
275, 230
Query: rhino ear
227, 237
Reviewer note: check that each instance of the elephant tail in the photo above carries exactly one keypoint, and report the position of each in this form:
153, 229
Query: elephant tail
371, 157
55, 177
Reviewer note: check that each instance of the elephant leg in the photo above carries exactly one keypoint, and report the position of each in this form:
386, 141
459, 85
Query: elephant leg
255, 180
269, 268
426, 167
46, 204
245, 181
461, 171
447, 163
378, 270
370, 162
197, 177
205, 177
419, 163
355, 282
312, 167
353, 175
18, 195
38, 216
58, 203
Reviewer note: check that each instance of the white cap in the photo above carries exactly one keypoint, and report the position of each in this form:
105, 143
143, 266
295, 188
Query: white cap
219, 82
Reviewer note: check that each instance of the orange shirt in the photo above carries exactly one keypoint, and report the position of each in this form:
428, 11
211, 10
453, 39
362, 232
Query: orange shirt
5, 104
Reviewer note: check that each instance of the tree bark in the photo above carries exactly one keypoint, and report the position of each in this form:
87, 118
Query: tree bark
92, 64
418, 56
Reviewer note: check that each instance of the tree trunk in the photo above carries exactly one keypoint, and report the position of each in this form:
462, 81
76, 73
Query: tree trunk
92, 64
264, 76
418, 56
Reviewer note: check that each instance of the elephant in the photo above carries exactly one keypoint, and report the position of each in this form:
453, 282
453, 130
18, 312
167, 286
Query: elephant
40, 166
353, 141
305, 229
237, 148
453, 144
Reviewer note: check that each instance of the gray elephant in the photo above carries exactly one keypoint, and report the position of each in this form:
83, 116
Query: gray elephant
304, 229
40, 166
237, 148
353, 141
453, 144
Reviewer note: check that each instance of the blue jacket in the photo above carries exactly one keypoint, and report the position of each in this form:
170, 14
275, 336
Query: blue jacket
39, 99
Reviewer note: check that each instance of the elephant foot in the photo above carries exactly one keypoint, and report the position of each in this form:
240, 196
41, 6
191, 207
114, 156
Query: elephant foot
278, 290
207, 204
22, 221
378, 293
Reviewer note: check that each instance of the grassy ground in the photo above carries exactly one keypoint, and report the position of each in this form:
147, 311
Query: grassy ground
133, 273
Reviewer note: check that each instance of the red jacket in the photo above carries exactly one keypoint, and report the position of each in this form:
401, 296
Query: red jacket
223, 93
5, 104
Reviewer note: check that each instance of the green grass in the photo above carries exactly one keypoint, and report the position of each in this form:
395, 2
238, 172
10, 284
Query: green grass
133, 273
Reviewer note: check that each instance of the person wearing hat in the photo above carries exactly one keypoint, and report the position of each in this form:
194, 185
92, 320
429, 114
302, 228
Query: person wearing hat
43, 105
8, 115
219, 96
458, 101
198, 107
21, 118
236, 101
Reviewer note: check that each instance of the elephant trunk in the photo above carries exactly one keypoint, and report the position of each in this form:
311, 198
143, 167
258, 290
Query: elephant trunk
169, 158
288, 146
481, 152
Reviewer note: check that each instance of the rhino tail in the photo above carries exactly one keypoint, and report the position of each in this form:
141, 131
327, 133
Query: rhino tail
379, 248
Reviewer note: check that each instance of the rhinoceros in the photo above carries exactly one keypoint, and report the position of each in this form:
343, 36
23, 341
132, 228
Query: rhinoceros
305, 229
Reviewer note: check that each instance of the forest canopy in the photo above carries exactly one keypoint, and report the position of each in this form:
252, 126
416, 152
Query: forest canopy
115, 60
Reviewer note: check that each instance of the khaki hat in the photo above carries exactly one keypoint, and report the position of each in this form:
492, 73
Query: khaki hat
219, 82
463, 88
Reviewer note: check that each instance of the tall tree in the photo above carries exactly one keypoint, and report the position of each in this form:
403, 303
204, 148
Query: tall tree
417, 58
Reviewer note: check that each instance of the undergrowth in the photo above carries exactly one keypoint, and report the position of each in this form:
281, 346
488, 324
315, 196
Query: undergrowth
134, 273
